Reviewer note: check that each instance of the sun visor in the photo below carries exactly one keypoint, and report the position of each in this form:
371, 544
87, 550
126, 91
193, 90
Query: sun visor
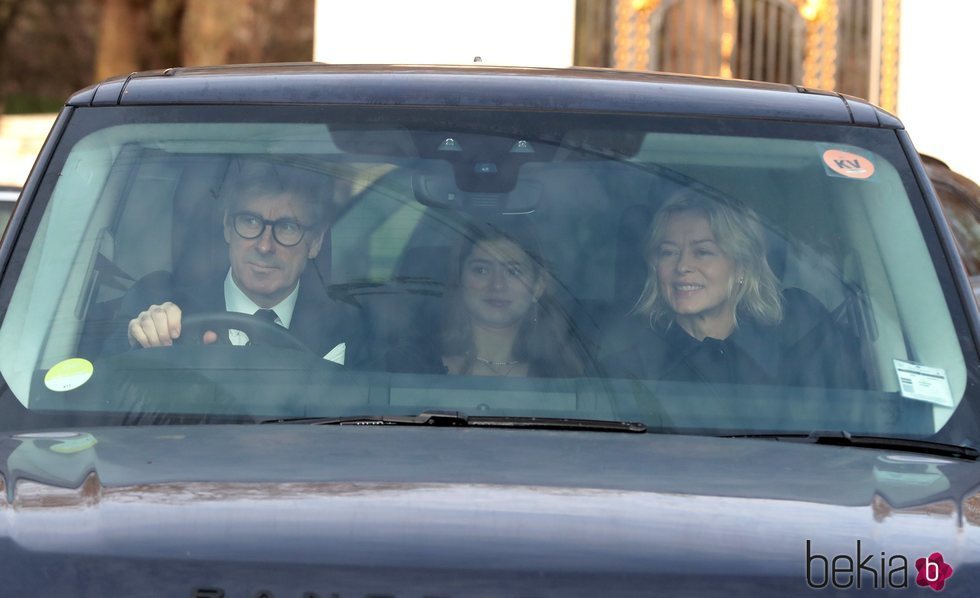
591, 143
373, 140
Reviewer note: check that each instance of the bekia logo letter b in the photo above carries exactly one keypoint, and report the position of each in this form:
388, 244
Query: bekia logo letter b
933, 571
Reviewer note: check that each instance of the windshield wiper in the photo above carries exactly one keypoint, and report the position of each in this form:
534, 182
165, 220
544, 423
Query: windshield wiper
843, 438
455, 418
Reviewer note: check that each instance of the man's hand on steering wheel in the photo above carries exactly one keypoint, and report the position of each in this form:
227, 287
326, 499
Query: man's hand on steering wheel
259, 331
160, 326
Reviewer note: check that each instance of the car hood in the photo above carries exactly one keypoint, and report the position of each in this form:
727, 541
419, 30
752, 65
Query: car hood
457, 511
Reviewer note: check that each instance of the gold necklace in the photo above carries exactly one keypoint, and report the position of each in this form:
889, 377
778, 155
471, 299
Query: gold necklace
493, 365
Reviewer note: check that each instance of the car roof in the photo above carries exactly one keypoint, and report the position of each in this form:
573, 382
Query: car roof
572, 89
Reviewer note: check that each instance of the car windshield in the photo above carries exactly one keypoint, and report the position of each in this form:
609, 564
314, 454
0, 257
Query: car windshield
697, 275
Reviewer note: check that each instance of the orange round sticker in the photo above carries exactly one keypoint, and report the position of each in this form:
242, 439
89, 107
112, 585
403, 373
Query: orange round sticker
848, 165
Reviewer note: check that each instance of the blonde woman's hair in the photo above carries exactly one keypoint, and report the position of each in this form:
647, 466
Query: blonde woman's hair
739, 234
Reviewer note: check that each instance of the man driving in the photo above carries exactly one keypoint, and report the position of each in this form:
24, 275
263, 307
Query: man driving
274, 224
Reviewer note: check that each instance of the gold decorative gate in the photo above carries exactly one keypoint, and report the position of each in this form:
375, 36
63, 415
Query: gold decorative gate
846, 45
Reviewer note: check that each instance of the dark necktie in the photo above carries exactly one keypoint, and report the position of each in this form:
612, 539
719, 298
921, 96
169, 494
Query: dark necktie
267, 315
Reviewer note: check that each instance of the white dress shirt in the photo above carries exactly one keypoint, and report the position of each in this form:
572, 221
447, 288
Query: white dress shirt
238, 301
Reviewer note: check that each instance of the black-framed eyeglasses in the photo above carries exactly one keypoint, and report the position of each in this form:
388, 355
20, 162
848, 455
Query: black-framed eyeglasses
286, 232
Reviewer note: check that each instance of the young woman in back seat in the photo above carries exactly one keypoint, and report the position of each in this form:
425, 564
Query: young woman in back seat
714, 311
501, 318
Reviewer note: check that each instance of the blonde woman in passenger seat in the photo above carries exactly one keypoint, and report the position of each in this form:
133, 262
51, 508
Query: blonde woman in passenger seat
713, 311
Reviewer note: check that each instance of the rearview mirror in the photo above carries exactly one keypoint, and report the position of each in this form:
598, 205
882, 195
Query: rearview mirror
440, 191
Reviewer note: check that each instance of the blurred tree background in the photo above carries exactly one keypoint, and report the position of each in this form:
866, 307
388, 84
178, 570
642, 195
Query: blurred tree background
50, 48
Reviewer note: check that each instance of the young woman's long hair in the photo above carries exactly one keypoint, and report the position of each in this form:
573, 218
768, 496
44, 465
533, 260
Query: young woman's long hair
546, 340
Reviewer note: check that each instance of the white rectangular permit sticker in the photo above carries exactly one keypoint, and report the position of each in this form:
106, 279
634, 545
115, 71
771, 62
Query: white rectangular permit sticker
923, 383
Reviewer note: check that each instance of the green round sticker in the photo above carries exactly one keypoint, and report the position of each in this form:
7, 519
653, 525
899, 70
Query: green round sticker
68, 374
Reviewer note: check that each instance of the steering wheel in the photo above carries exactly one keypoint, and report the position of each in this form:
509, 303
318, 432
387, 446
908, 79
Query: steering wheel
260, 332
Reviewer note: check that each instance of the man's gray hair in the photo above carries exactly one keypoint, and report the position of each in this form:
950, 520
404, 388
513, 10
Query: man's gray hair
260, 178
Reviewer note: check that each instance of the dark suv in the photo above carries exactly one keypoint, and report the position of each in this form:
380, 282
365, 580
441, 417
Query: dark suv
309, 330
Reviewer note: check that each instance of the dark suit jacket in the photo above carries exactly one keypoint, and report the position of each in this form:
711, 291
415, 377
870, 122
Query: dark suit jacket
318, 321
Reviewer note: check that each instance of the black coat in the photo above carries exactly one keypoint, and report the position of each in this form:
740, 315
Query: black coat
806, 349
